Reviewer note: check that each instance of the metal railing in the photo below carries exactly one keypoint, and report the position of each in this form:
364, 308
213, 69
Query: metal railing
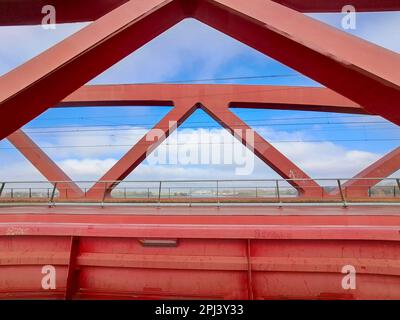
269, 191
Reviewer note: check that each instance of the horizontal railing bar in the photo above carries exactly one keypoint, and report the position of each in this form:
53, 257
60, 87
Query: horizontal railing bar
200, 181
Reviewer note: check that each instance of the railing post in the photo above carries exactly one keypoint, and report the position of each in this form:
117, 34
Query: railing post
256, 192
30, 193
397, 180
3, 184
341, 193
218, 192
12, 193
159, 192
104, 195
125, 192
278, 194
53, 193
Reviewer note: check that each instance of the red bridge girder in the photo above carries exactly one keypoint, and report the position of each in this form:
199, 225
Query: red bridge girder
303, 254
238, 96
346, 64
219, 111
25, 12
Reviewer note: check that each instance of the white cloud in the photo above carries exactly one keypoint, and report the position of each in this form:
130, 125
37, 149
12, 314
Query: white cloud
21, 43
327, 160
93, 142
86, 169
381, 28
190, 47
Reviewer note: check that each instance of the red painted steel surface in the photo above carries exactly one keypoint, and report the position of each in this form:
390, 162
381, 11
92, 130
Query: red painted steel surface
354, 68
264, 150
237, 96
29, 11
46, 166
183, 109
284, 256
215, 100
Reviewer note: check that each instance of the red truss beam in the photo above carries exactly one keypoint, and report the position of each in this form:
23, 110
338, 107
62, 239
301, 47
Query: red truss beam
354, 68
239, 96
264, 150
47, 167
100, 254
24, 12
319, 51
382, 168
139, 152
217, 97
219, 111
49, 77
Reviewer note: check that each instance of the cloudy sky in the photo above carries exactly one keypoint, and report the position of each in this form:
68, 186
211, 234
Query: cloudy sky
86, 142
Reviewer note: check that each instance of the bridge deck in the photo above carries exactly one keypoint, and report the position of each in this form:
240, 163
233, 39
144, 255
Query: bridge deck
204, 210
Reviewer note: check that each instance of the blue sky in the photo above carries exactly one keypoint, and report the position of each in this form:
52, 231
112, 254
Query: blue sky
188, 51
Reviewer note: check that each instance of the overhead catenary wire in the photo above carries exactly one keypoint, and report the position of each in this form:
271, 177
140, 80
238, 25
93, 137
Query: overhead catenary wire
289, 75
127, 126
132, 126
198, 143
147, 113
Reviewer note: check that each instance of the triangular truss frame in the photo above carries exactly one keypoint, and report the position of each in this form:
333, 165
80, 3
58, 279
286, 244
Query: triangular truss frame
354, 68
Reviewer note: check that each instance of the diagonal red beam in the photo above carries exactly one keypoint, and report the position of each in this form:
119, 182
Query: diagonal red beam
263, 149
49, 77
337, 5
372, 175
355, 68
240, 96
135, 156
23, 12
47, 167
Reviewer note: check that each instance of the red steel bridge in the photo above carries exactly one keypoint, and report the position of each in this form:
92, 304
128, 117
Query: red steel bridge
288, 238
